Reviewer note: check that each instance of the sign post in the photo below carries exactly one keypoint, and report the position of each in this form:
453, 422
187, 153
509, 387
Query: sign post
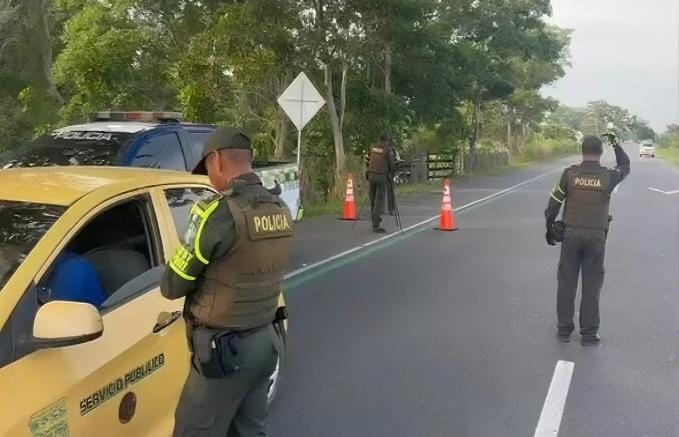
301, 101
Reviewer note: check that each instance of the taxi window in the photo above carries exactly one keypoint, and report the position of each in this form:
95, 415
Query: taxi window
22, 225
181, 200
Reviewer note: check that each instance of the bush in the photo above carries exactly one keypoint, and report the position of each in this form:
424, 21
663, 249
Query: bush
669, 141
539, 147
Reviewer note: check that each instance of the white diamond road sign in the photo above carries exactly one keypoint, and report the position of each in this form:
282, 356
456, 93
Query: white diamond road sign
301, 101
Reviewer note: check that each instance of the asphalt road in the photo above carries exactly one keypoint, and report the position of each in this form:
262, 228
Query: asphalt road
452, 334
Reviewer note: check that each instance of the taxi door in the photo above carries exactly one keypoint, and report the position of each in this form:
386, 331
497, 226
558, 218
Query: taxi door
128, 381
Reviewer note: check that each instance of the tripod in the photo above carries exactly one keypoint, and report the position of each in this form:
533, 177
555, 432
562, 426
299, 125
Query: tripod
397, 214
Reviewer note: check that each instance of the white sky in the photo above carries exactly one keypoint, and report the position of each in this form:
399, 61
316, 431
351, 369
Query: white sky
625, 52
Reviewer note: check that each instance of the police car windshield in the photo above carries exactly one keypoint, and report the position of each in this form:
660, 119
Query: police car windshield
74, 148
22, 225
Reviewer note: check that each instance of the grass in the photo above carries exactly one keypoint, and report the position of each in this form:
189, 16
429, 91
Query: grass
669, 154
316, 209
334, 207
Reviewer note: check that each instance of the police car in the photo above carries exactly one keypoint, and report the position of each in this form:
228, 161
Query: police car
88, 345
142, 139
647, 149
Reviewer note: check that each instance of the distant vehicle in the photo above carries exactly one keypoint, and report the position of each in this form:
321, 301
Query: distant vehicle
142, 139
647, 148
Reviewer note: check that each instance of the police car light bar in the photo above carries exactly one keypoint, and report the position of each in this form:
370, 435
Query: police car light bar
147, 117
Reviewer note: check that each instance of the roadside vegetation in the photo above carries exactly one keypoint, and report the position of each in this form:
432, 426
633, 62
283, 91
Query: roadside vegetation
461, 78
668, 145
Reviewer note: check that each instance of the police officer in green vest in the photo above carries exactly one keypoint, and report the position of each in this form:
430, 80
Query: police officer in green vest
380, 168
585, 191
230, 268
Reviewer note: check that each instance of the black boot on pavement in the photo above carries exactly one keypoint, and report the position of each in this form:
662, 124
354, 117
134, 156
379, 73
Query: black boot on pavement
564, 334
590, 339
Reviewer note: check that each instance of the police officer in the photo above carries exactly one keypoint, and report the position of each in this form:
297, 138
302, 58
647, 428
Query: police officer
230, 268
585, 190
380, 168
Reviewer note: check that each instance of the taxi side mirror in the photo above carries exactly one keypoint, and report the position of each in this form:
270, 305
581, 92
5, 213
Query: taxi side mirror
62, 323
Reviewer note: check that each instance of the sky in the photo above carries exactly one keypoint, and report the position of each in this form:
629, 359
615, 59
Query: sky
625, 52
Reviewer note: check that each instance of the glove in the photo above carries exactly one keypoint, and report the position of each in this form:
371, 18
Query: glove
611, 137
550, 239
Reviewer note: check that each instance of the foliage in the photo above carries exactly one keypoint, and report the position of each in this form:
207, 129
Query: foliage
446, 76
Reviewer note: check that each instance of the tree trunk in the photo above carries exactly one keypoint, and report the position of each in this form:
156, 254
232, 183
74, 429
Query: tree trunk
509, 133
340, 157
41, 41
282, 126
476, 131
387, 68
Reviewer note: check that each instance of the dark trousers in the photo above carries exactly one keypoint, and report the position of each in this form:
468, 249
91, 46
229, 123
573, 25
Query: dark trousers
378, 190
581, 250
391, 197
236, 405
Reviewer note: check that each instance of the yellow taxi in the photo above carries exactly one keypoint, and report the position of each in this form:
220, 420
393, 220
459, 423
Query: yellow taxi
88, 345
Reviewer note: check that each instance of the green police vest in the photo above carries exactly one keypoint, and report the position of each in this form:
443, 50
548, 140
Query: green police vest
588, 199
241, 290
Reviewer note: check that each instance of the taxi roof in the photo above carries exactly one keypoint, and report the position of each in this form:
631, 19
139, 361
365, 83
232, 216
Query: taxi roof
65, 185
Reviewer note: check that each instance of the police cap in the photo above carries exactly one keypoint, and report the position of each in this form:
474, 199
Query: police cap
592, 146
222, 138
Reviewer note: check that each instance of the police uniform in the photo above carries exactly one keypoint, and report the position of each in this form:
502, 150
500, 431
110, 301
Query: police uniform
380, 167
585, 191
230, 267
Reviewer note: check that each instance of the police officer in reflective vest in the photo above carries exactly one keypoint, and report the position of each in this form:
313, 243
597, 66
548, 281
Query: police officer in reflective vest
585, 191
380, 167
230, 268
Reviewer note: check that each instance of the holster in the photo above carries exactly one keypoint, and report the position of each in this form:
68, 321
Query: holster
207, 353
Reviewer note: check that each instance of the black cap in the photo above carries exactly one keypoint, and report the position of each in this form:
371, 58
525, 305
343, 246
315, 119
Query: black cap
592, 146
222, 138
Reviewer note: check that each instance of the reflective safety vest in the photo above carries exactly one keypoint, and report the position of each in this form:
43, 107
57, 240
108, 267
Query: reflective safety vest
588, 198
241, 289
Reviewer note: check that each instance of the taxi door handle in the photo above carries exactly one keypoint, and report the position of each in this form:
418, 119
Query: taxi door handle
165, 319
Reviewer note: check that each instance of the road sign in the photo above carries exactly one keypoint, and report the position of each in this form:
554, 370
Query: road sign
301, 101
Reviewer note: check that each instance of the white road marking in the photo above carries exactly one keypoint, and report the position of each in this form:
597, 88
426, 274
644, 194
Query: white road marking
552, 411
409, 228
667, 193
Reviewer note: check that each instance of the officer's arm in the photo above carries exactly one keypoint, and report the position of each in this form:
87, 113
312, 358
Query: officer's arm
211, 238
623, 167
556, 198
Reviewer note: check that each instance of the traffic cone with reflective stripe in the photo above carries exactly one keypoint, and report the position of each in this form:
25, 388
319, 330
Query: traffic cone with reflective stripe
349, 201
447, 221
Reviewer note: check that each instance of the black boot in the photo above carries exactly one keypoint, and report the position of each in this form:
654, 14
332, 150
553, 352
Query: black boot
379, 230
564, 334
590, 339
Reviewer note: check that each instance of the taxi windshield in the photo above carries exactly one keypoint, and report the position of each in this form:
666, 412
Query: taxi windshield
73, 148
22, 225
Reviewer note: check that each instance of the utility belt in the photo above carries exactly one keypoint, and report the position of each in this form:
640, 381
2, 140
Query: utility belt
216, 353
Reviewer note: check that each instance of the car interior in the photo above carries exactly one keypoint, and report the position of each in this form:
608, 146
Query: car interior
105, 261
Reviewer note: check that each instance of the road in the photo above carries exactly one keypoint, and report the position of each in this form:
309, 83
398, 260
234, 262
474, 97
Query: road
453, 334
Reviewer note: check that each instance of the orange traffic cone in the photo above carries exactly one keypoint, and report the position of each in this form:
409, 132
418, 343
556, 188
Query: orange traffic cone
349, 202
447, 221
